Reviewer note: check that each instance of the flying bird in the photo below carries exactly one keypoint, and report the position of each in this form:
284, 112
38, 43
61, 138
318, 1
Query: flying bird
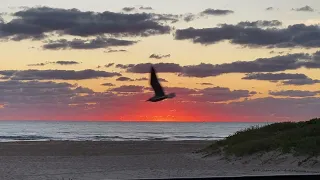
159, 94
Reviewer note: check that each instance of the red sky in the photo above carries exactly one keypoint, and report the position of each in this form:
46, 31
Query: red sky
67, 60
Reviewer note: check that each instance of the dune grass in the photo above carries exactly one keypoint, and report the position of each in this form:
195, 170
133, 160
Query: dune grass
299, 138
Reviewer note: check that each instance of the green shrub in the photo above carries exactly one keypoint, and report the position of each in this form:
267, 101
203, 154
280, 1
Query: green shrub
301, 138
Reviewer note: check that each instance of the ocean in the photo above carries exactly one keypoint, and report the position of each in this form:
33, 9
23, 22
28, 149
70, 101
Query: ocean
116, 131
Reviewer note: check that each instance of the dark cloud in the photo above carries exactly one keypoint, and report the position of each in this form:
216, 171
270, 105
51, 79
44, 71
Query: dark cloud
66, 62
56, 74
7, 73
57, 62
300, 82
145, 8
316, 56
161, 67
113, 51
189, 17
21, 37
99, 42
181, 91
214, 94
38, 64
107, 84
41, 102
270, 8
219, 94
124, 66
35, 92
146, 79
298, 35
128, 89
84, 90
286, 78
273, 64
206, 84
272, 23
294, 93
124, 79
34, 23
109, 65
216, 12
12, 84
284, 109
173, 18
274, 52
156, 56
128, 9
274, 77
305, 9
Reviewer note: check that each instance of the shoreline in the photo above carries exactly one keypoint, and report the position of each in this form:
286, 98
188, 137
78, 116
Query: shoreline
98, 148
87, 160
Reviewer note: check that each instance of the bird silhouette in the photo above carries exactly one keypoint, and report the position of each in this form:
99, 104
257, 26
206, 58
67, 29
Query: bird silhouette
159, 94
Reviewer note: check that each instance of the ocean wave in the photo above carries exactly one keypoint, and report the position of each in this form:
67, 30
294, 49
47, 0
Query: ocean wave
65, 132
103, 137
157, 138
165, 132
198, 137
24, 137
146, 132
107, 137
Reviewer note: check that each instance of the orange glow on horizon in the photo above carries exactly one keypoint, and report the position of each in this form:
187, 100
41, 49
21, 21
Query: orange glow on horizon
166, 111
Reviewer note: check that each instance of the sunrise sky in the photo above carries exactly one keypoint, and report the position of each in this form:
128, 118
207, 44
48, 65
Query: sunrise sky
227, 60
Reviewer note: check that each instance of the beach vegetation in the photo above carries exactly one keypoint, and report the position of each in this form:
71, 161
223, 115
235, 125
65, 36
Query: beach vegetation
298, 138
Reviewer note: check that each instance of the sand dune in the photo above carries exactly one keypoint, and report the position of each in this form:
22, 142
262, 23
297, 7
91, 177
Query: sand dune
128, 160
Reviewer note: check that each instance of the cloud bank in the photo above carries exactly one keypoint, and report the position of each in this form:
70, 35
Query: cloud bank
297, 35
56, 74
34, 23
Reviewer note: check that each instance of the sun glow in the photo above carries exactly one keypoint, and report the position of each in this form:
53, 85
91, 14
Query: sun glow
166, 111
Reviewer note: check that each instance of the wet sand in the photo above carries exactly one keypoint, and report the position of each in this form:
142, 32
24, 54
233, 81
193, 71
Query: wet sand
87, 160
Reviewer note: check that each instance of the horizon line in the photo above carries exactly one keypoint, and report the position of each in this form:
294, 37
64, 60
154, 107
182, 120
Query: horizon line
142, 121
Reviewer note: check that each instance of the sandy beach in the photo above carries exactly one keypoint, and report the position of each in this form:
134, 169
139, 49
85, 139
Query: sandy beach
87, 160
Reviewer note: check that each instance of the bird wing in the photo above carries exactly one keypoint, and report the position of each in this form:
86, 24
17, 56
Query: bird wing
154, 82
